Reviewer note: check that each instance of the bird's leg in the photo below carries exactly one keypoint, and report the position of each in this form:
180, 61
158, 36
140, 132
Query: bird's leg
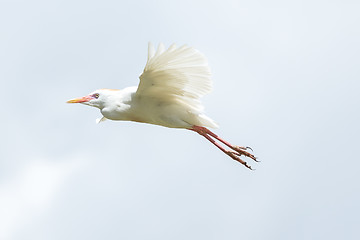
240, 150
233, 154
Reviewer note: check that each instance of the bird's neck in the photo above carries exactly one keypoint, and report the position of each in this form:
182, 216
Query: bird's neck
119, 106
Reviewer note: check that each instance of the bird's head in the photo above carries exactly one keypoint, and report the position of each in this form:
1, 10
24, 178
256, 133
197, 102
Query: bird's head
97, 98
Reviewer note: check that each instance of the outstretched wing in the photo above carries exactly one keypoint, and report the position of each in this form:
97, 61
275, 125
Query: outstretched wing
177, 73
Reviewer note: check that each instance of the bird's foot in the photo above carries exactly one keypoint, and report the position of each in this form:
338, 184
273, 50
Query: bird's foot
236, 151
235, 155
243, 151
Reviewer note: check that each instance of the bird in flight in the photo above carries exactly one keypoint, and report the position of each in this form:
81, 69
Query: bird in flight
168, 95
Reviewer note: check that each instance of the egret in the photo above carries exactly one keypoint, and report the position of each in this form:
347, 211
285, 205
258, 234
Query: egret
168, 95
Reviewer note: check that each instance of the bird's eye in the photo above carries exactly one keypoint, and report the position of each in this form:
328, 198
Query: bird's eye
96, 95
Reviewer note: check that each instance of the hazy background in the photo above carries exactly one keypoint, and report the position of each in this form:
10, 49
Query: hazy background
286, 82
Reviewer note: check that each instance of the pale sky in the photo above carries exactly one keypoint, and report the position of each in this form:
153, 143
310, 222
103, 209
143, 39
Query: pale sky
286, 82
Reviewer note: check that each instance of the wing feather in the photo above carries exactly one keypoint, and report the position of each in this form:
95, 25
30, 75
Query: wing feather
177, 74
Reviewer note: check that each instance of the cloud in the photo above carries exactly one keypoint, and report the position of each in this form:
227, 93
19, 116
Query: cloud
30, 192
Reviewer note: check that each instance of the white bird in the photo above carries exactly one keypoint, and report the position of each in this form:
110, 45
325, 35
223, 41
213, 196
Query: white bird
168, 95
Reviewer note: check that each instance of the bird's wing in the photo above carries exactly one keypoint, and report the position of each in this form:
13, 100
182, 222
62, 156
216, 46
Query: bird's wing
180, 73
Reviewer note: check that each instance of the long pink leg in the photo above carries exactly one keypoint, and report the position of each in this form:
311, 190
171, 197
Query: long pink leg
240, 150
233, 154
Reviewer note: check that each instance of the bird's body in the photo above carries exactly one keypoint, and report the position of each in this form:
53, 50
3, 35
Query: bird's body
126, 105
168, 95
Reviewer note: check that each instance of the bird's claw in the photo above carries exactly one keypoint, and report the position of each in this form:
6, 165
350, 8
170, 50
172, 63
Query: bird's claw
242, 151
244, 148
235, 155
249, 148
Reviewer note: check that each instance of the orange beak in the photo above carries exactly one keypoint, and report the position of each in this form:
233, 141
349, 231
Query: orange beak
80, 100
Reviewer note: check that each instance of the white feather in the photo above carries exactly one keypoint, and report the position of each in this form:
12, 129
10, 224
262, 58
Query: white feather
177, 75
183, 71
99, 120
151, 51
